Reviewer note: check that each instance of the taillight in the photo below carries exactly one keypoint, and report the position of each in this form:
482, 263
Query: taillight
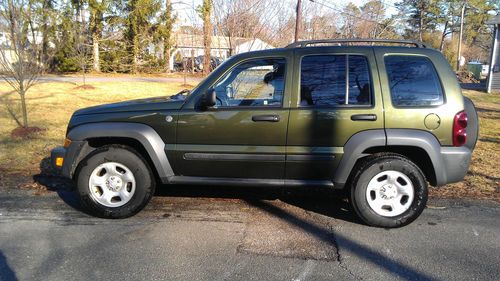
460, 129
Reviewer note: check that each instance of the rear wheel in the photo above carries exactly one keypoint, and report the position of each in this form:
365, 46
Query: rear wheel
388, 190
115, 182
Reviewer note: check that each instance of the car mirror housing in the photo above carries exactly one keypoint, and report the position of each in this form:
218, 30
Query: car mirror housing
208, 99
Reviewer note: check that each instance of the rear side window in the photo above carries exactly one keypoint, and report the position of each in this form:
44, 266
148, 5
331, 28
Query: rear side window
334, 80
413, 81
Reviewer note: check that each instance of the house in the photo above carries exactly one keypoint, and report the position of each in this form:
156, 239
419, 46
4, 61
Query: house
191, 45
493, 82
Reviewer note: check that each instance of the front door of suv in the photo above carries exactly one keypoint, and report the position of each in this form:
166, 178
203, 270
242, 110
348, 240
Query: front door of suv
336, 95
244, 134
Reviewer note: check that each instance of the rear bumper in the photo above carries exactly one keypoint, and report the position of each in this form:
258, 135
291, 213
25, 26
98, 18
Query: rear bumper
455, 163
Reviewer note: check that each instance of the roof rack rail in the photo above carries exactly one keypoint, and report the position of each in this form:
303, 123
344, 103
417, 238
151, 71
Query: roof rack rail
301, 44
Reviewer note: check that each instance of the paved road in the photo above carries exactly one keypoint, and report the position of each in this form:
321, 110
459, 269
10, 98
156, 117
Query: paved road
94, 79
205, 233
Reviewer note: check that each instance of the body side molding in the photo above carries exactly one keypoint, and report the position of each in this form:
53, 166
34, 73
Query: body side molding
146, 135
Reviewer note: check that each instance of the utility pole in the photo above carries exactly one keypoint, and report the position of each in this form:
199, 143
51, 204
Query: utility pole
460, 37
298, 19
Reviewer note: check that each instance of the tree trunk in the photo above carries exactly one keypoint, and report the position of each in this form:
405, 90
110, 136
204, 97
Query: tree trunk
168, 30
95, 53
45, 36
421, 27
443, 36
23, 108
207, 35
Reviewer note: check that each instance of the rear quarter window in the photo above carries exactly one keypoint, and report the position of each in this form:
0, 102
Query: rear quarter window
413, 81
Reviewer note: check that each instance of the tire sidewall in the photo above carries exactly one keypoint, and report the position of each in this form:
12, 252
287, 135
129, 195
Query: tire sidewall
144, 187
371, 170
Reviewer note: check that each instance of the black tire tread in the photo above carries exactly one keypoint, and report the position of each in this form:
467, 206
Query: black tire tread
121, 212
360, 168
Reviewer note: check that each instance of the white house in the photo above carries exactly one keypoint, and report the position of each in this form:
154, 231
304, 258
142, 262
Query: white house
189, 45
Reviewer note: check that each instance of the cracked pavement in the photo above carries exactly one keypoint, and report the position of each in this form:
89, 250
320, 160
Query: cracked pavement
222, 233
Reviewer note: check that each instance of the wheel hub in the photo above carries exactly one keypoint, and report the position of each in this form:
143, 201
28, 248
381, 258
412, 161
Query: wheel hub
114, 183
388, 191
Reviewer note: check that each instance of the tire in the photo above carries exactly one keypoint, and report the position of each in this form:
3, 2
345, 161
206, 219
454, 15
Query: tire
114, 182
472, 124
382, 179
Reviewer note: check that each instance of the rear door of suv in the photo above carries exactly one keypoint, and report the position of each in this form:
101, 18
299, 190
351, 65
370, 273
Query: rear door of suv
335, 95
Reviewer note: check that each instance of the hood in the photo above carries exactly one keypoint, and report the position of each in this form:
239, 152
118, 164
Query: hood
148, 104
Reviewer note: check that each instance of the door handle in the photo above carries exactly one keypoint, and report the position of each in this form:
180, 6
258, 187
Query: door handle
364, 117
266, 118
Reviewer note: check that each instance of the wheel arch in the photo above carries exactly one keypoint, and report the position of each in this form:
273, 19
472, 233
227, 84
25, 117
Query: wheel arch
141, 137
419, 146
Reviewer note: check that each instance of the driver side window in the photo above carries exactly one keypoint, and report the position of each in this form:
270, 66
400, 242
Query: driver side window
258, 82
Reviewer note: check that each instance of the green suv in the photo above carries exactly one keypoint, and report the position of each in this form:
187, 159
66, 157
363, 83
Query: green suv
378, 120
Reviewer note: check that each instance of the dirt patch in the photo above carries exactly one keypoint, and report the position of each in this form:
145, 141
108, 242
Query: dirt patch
85, 87
25, 132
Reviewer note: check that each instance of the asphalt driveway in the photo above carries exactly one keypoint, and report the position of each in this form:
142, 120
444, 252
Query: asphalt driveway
216, 233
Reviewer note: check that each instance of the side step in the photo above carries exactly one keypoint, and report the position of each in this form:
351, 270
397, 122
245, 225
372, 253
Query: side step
248, 182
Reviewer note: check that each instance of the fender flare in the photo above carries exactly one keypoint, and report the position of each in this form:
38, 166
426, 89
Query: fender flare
355, 148
144, 134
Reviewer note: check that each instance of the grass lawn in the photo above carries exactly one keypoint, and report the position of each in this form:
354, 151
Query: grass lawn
50, 106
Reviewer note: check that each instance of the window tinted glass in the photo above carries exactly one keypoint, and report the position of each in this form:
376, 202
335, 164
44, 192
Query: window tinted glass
323, 80
413, 81
359, 81
254, 83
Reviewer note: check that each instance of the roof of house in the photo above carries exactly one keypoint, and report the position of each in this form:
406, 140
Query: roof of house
218, 42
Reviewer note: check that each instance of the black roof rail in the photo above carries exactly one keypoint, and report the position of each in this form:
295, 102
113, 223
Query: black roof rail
301, 44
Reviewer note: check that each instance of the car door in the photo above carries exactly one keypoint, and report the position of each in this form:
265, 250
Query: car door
334, 98
244, 134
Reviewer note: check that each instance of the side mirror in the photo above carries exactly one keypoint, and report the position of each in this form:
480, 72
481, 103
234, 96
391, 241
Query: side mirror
208, 99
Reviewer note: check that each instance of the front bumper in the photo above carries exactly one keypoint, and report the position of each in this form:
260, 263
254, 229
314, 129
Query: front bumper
70, 158
455, 164
55, 155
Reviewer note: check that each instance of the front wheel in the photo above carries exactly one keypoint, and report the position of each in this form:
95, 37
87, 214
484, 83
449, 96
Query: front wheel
388, 190
114, 182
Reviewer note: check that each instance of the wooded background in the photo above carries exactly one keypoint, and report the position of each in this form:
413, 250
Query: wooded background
137, 35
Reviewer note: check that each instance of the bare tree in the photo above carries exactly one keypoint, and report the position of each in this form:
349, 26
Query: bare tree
205, 12
19, 57
81, 46
247, 19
